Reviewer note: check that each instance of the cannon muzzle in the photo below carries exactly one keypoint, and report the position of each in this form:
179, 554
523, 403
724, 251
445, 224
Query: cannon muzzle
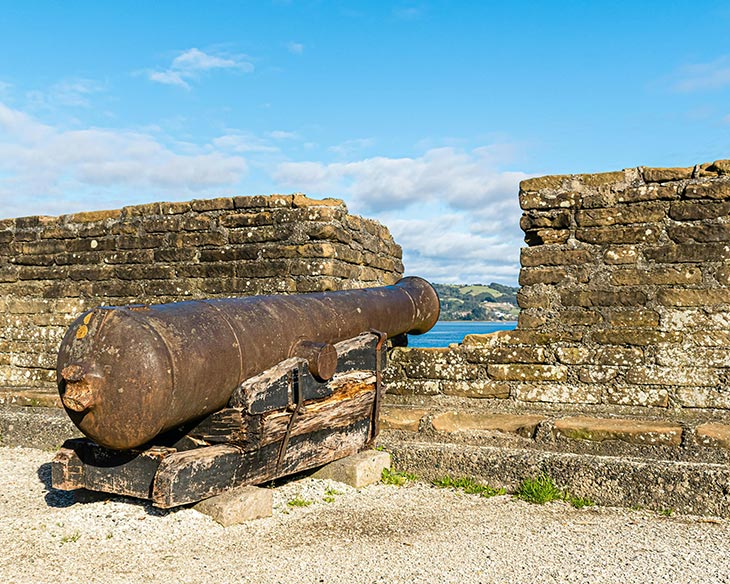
128, 373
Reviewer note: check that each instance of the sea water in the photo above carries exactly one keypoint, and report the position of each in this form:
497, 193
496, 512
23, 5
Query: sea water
446, 332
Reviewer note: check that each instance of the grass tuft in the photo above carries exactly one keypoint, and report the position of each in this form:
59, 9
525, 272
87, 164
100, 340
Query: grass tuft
468, 485
391, 476
579, 502
298, 501
539, 490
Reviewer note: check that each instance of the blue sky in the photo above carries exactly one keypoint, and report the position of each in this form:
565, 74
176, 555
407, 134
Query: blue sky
424, 115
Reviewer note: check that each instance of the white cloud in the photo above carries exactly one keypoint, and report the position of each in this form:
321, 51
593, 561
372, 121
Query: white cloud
349, 147
283, 135
455, 213
189, 65
73, 92
295, 48
44, 169
463, 179
703, 76
243, 142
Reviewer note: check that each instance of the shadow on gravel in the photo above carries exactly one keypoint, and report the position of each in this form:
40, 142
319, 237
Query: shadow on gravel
61, 499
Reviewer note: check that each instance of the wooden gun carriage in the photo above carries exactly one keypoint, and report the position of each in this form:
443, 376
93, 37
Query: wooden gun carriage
180, 402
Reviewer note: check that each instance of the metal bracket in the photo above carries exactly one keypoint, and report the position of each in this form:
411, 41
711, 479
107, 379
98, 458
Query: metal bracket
297, 407
377, 398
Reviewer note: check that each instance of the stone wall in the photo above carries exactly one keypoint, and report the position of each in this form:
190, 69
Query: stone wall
625, 300
53, 268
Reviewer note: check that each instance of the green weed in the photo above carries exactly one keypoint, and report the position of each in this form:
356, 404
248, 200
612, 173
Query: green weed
69, 538
579, 502
329, 494
468, 485
298, 502
393, 477
539, 490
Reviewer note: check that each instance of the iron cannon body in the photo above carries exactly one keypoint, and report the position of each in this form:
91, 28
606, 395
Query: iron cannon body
129, 373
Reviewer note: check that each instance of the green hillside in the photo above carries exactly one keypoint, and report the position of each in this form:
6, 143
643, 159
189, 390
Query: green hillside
477, 301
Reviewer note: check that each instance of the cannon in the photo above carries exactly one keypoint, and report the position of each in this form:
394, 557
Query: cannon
251, 374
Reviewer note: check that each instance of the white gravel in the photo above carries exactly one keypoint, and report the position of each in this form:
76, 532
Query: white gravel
381, 533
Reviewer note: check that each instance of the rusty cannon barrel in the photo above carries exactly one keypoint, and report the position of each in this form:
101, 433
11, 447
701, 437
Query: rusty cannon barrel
128, 373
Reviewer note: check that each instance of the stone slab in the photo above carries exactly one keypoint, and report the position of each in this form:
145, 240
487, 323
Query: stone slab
238, 505
35, 427
522, 425
30, 397
640, 432
687, 487
359, 470
401, 418
713, 434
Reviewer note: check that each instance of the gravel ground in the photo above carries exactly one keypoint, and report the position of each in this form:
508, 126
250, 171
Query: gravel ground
416, 533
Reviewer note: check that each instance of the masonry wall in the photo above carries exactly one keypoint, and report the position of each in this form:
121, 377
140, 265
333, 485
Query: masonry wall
53, 268
625, 299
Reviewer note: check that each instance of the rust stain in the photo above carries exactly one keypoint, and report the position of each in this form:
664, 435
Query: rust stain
82, 331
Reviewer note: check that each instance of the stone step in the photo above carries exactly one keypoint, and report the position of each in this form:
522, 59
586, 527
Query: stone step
556, 431
685, 487
30, 397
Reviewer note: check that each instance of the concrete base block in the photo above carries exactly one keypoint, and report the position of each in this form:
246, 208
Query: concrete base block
359, 470
238, 505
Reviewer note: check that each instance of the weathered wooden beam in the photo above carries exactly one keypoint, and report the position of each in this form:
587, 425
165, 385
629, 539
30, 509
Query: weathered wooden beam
190, 476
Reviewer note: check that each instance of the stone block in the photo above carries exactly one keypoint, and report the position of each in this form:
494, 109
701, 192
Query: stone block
602, 178
652, 212
720, 167
666, 174
650, 192
552, 219
696, 211
528, 318
633, 395
546, 236
580, 317
219, 204
299, 200
618, 235
533, 298
519, 372
92, 216
573, 355
674, 375
531, 276
716, 189
414, 387
640, 432
359, 470
619, 356
714, 434
597, 373
688, 253
238, 505
621, 255
703, 397
673, 355
588, 298
557, 393
551, 182
693, 297
460, 421
636, 337
703, 233
401, 418
674, 275
632, 317
479, 389
506, 354
554, 256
